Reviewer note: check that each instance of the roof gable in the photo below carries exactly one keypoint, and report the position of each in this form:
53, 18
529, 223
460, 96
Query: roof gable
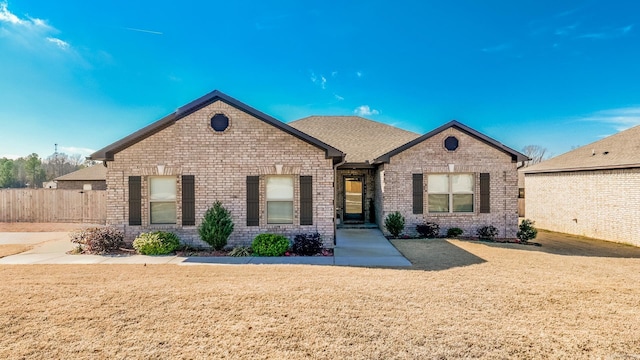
515, 155
362, 140
618, 151
95, 172
107, 153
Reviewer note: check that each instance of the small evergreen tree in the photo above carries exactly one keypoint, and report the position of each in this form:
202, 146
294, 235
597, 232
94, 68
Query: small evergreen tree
394, 223
216, 226
526, 231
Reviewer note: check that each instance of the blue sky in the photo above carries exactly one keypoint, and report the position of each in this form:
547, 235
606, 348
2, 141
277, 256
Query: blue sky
84, 74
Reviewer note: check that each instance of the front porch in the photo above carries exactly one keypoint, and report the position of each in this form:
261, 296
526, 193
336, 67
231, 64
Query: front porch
355, 198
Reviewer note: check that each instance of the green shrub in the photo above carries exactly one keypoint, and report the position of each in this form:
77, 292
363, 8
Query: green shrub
156, 243
98, 240
394, 223
526, 231
307, 244
428, 230
269, 245
240, 251
216, 226
488, 232
454, 232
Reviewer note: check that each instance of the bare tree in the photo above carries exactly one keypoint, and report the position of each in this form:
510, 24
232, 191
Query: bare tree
536, 153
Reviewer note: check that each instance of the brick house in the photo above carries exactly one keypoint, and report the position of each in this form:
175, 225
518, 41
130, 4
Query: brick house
89, 178
297, 177
591, 191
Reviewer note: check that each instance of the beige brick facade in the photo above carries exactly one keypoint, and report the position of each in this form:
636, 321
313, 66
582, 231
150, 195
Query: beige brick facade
602, 204
220, 162
473, 156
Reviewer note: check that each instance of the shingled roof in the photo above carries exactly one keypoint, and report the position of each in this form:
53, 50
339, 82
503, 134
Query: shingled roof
91, 173
106, 154
619, 151
361, 139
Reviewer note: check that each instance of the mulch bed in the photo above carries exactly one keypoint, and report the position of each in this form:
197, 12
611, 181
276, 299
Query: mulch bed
470, 238
124, 251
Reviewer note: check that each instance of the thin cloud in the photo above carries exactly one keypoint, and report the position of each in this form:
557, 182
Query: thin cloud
365, 110
319, 80
338, 97
28, 31
359, 74
144, 31
620, 119
60, 43
76, 150
10, 156
608, 34
497, 48
8, 17
565, 30
568, 12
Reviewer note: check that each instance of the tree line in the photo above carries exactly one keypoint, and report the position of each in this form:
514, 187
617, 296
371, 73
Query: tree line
32, 171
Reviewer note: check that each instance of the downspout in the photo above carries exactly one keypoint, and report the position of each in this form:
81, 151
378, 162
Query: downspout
335, 196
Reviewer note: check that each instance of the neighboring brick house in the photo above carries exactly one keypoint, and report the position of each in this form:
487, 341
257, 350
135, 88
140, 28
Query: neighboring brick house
89, 178
294, 178
591, 191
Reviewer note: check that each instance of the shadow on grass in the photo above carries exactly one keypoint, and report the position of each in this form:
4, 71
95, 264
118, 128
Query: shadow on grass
571, 245
434, 254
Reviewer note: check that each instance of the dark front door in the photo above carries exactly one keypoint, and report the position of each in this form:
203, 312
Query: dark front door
353, 199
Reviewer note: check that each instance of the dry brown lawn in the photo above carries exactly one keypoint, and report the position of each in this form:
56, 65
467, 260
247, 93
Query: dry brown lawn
480, 301
12, 249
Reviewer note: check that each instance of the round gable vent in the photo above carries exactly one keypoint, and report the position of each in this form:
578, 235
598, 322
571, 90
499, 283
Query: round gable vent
219, 122
451, 143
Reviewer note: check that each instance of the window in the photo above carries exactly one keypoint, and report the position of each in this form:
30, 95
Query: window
162, 199
451, 143
450, 193
219, 122
280, 199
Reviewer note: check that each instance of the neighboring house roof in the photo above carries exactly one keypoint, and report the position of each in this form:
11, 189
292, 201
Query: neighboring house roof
91, 173
361, 139
106, 154
515, 155
619, 151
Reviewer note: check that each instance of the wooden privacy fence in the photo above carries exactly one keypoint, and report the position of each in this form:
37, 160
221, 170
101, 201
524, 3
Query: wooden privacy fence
53, 205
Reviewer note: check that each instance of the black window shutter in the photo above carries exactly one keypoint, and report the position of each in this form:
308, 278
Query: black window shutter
306, 200
188, 200
485, 193
417, 194
253, 200
135, 200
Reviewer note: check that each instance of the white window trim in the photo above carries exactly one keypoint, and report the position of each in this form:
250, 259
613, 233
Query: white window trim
450, 194
152, 201
292, 201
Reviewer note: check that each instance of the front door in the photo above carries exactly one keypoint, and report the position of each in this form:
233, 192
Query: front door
353, 199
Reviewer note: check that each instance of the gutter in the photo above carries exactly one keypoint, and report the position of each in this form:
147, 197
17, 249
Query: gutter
335, 196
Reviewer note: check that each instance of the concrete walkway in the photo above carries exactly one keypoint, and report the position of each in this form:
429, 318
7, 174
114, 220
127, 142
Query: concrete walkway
366, 247
355, 247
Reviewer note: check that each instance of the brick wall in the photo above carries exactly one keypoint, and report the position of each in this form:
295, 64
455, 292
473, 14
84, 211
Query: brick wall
220, 162
79, 184
472, 156
602, 204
